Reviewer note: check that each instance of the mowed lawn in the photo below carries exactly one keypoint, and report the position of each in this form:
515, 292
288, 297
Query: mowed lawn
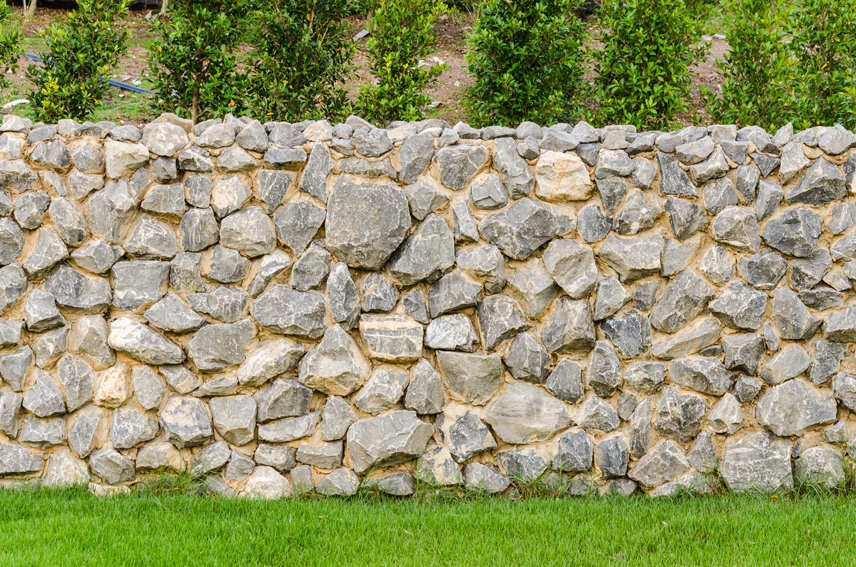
73, 528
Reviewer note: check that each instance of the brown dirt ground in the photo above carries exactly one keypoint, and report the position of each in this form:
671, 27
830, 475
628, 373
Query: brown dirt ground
450, 47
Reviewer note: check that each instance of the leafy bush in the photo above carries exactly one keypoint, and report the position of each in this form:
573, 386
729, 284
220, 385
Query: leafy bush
10, 47
81, 54
194, 63
401, 35
302, 57
643, 69
755, 70
527, 59
824, 51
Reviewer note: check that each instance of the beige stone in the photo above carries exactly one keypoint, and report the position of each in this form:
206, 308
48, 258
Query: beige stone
115, 387
121, 158
562, 177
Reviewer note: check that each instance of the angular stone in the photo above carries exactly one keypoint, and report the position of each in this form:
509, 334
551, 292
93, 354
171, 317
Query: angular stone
791, 318
684, 299
248, 231
139, 283
109, 211
451, 332
87, 429
820, 465
535, 285
570, 327
702, 375
218, 346
840, 326
764, 270
336, 418
600, 416
793, 407
186, 422
566, 381
437, 468
572, 267
761, 462
679, 417
821, 184
663, 464
488, 193
484, 262
746, 388
633, 258
425, 254
794, 232
612, 192
48, 251
611, 457
465, 224
383, 390
96, 256
673, 179
485, 478
130, 427
271, 266
426, 393
827, 359
739, 306
366, 223
641, 429
228, 195
524, 227
592, 224
112, 467
141, 343
297, 222
844, 389
265, 483
768, 199
743, 352
336, 366
562, 177
415, 154
452, 292
289, 312
44, 399
524, 413
424, 198
210, 458
526, 359
387, 440
273, 186
235, 418
737, 227
458, 164
464, 433
726, 417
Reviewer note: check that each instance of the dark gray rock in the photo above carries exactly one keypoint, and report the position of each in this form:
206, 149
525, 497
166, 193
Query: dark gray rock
764, 270
794, 232
702, 375
743, 352
465, 435
604, 370
821, 184
68, 221
793, 407
683, 300
611, 457
570, 327
612, 192
679, 417
592, 224
566, 382
524, 227
673, 179
827, 360
297, 223
791, 318
739, 306
685, 217
459, 163
630, 333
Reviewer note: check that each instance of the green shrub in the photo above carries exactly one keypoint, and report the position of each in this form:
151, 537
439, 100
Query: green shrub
755, 70
401, 36
644, 75
10, 48
527, 59
303, 55
194, 63
81, 54
824, 51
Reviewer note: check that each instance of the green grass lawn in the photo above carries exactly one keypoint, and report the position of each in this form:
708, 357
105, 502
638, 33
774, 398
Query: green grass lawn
73, 528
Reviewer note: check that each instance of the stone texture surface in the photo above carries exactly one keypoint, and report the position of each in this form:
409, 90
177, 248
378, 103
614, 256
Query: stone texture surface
354, 299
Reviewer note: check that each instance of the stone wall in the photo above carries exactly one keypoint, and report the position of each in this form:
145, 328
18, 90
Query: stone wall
291, 307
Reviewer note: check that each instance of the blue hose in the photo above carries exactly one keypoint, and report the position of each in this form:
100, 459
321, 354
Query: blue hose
111, 82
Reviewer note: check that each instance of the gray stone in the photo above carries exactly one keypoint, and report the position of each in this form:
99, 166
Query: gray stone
524, 467
844, 389
387, 440
794, 232
679, 417
739, 306
452, 292
793, 407
451, 332
718, 265
286, 135
360, 166
572, 267
683, 300
592, 224
47, 348
236, 160
11, 241
148, 387
425, 254
746, 388
180, 378
768, 199
836, 433
41, 313
821, 184
289, 312
186, 422
760, 462
323, 456
525, 413
472, 378
826, 361
184, 272
366, 239
130, 427
383, 390
714, 167
465, 435
663, 464
485, 478
426, 393
141, 343
48, 251
514, 170
685, 218
228, 195
77, 380
424, 198
336, 418
151, 239
311, 268
575, 452
10, 407
415, 154
488, 193
18, 460
633, 258
555, 140
10, 332
821, 466
526, 359
743, 352
718, 195
77, 293
609, 298
791, 318
764, 270
600, 416
821, 298
109, 211
194, 159
747, 178
843, 216
139, 283
737, 227
197, 190
570, 327
218, 346
673, 179
90, 339
696, 151
30, 208
726, 417
465, 224
524, 227
15, 174
808, 272
629, 332
840, 326
165, 200
40, 433
535, 286
373, 143
612, 162
273, 186
51, 155
645, 377
173, 315
638, 214
436, 467
297, 223
641, 429
210, 458
336, 366
485, 262
248, 231
611, 457
645, 295
86, 429
794, 161
112, 467
234, 418
97, 256
836, 140
612, 192
702, 375
379, 293
458, 164
643, 173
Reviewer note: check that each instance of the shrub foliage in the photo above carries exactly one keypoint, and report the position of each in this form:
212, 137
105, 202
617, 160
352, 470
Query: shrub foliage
10, 47
401, 36
303, 54
81, 54
194, 62
527, 59
644, 75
